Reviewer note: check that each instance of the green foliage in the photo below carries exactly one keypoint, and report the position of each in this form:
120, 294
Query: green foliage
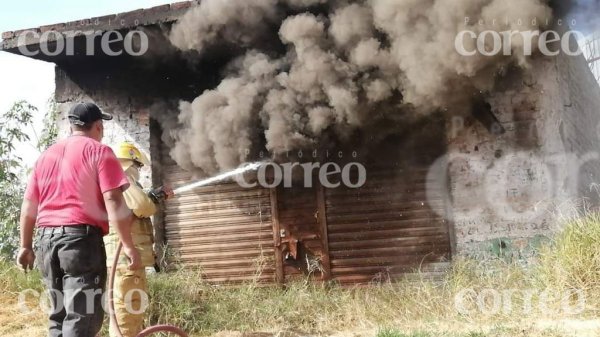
10, 206
50, 130
12, 126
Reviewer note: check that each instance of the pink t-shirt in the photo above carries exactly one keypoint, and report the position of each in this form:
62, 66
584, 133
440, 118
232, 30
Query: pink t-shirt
68, 181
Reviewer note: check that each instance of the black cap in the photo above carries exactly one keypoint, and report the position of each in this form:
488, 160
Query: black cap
86, 113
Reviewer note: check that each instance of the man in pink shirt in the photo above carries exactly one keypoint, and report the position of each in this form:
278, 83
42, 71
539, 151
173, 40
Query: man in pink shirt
75, 190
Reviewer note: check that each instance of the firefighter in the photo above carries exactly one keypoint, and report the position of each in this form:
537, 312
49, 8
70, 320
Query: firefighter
130, 287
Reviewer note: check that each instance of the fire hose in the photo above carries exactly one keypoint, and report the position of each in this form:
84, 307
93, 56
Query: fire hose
157, 195
111, 304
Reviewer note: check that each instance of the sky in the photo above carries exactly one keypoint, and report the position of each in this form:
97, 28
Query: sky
22, 78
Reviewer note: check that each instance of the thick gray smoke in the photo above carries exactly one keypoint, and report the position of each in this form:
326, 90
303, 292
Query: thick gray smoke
341, 66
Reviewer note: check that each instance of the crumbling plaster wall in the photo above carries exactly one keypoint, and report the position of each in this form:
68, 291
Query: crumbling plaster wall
509, 191
131, 117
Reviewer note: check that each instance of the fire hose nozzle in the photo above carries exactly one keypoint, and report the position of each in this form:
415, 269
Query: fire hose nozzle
157, 195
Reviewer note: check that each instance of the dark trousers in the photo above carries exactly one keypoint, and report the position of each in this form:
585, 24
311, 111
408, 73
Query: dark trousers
73, 264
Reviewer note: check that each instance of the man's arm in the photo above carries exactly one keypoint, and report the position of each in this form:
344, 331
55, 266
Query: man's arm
121, 218
138, 201
26, 256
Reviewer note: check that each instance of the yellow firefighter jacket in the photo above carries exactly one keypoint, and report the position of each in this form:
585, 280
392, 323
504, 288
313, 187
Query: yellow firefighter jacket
142, 231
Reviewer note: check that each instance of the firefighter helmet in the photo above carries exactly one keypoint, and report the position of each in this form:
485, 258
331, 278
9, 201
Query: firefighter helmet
128, 151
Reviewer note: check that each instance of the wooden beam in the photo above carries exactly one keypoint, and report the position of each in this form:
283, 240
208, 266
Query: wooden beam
158, 180
324, 233
276, 236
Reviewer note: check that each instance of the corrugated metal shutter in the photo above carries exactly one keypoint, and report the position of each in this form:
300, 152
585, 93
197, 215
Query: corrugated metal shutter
224, 229
385, 228
380, 231
392, 225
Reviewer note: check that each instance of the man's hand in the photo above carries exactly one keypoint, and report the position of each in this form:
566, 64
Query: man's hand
26, 258
135, 260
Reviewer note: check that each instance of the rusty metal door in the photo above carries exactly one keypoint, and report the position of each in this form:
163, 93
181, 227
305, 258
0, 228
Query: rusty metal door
301, 241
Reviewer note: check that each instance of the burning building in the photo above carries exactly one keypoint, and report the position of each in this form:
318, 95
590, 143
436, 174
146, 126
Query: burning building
467, 155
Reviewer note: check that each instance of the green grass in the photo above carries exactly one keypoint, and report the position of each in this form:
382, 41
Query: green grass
404, 308
183, 299
14, 280
572, 261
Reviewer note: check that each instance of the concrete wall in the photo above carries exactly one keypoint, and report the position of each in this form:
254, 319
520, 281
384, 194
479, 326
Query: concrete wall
509, 191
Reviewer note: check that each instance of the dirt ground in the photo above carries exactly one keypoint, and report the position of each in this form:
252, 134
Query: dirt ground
14, 323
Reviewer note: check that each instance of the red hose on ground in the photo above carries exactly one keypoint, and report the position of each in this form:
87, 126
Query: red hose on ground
111, 304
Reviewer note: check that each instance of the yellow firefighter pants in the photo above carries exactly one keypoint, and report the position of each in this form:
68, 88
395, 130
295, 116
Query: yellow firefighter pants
130, 299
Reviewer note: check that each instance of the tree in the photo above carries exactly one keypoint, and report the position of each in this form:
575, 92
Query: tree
50, 131
12, 126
